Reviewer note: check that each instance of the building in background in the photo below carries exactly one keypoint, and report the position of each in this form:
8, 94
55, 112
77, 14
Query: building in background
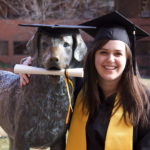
138, 11
13, 38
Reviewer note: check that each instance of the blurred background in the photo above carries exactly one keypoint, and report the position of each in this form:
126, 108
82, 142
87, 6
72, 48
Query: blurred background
13, 38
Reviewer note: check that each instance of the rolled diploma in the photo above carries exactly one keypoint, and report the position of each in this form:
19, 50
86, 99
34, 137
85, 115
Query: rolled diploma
73, 72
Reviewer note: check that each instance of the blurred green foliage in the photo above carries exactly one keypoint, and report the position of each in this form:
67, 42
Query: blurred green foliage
6, 65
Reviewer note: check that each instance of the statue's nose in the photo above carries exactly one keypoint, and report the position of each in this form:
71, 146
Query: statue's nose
54, 59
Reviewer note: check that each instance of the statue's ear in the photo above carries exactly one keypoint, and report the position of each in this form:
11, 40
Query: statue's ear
32, 45
80, 48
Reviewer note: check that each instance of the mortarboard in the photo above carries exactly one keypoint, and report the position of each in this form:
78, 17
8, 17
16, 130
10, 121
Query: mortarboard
114, 26
59, 30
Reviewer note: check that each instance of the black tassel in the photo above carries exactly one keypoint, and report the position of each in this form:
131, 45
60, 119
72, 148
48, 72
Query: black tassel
134, 50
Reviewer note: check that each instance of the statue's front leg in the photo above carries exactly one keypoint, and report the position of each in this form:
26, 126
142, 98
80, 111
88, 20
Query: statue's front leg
11, 143
20, 143
59, 145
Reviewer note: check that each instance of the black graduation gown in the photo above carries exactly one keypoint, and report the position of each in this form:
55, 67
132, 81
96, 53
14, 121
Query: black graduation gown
96, 129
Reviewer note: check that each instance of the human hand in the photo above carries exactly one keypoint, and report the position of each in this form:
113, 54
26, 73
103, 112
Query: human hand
24, 78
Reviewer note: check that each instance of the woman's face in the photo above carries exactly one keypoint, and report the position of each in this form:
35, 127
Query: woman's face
110, 60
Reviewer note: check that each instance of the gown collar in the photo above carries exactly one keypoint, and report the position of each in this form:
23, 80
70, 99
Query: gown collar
110, 100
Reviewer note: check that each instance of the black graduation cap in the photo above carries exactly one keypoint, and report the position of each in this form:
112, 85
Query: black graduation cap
58, 30
114, 26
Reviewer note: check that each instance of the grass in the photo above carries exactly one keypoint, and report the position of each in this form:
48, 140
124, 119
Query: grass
4, 143
146, 81
6, 65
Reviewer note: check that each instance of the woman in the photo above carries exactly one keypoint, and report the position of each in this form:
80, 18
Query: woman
112, 109
109, 73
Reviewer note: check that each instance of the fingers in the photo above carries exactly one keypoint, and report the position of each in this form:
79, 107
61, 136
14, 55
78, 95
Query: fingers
23, 77
28, 61
23, 80
28, 75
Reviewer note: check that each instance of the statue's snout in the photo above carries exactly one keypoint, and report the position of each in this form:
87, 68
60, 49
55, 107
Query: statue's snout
54, 58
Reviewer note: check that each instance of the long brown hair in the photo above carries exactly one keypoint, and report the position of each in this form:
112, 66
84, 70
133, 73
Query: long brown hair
133, 97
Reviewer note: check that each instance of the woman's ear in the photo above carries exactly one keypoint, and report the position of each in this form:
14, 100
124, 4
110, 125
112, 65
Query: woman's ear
32, 45
80, 48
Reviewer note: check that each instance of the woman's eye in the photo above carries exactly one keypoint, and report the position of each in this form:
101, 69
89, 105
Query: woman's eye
119, 54
66, 44
45, 44
103, 52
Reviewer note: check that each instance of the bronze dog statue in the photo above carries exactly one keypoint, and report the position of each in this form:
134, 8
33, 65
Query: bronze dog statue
34, 116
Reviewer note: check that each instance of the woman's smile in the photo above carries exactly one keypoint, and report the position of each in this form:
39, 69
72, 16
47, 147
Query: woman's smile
110, 67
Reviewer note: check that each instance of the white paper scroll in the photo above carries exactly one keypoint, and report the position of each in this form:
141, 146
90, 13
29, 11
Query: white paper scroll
74, 72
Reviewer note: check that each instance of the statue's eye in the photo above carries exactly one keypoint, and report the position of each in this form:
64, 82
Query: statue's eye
44, 44
66, 44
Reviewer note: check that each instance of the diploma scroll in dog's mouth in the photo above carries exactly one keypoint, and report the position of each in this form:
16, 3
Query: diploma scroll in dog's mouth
72, 72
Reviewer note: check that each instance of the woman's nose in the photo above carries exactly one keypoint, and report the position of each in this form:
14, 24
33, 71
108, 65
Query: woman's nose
111, 58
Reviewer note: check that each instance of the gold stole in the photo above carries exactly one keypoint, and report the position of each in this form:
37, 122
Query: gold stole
119, 136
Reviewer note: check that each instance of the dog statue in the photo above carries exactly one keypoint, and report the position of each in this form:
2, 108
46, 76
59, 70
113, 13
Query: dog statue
35, 115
